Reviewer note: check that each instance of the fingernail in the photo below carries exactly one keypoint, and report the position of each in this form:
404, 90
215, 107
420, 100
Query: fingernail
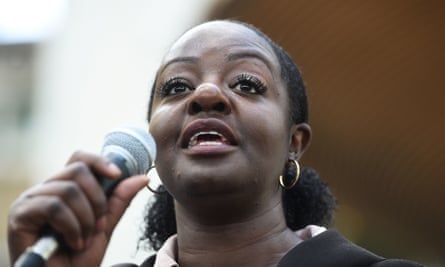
113, 168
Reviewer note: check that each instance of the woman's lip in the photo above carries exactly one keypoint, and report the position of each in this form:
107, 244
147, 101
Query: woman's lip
209, 125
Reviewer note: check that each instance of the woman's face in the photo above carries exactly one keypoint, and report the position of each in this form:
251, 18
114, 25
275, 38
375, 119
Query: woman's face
220, 115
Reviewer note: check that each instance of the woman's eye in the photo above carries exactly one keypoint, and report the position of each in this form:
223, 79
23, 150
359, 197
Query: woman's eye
175, 86
248, 84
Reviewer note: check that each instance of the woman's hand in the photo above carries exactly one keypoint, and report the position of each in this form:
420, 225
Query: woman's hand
74, 205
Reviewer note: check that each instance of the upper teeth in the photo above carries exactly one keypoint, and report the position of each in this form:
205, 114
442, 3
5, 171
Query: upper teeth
194, 139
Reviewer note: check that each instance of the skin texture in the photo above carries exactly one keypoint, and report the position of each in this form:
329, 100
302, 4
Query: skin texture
227, 197
73, 204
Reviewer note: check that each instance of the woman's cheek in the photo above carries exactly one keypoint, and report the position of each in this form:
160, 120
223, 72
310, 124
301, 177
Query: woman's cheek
164, 123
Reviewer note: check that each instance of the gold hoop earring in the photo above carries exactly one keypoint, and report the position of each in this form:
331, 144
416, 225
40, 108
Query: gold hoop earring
157, 192
290, 174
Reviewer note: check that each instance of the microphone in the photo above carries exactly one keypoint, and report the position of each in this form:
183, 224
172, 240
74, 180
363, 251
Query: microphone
133, 150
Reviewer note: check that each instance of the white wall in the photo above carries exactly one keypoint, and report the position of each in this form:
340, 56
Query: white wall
94, 75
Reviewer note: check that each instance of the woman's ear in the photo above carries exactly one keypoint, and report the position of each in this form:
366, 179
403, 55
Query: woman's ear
300, 138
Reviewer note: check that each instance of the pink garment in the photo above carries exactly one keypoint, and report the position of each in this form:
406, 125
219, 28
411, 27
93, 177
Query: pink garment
166, 256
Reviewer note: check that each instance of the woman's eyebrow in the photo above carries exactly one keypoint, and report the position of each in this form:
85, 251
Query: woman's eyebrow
242, 55
193, 60
229, 57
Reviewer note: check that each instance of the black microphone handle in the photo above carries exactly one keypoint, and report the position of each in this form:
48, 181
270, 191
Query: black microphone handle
108, 185
44, 248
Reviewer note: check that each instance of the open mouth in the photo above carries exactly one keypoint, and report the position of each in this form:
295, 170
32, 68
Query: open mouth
209, 138
207, 133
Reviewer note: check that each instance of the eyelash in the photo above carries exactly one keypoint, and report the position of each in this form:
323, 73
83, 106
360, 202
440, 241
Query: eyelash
166, 88
247, 79
244, 79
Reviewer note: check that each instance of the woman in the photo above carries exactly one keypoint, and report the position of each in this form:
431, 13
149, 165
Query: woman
229, 116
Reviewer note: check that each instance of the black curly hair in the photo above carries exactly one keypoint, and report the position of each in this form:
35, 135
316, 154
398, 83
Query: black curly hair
309, 202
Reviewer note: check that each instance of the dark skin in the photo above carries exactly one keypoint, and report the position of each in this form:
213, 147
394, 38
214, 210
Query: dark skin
220, 120
73, 204
227, 197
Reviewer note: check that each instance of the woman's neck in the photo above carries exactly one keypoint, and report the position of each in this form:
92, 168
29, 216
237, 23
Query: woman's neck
259, 240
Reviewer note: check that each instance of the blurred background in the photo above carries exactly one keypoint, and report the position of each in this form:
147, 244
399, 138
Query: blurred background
72, 70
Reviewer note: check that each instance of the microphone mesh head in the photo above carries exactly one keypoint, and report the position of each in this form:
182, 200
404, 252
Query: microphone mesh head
136, 142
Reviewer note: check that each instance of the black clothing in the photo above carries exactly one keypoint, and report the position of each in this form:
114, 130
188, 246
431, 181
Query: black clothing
332, 249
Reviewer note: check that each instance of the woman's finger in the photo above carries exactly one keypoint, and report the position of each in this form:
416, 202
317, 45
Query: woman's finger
82, 175
74, 198
100, 165
121, 198
31, 215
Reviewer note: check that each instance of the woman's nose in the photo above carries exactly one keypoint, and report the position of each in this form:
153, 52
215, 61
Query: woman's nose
208, 97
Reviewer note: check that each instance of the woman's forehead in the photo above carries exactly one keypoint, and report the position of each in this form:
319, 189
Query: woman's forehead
219, 35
